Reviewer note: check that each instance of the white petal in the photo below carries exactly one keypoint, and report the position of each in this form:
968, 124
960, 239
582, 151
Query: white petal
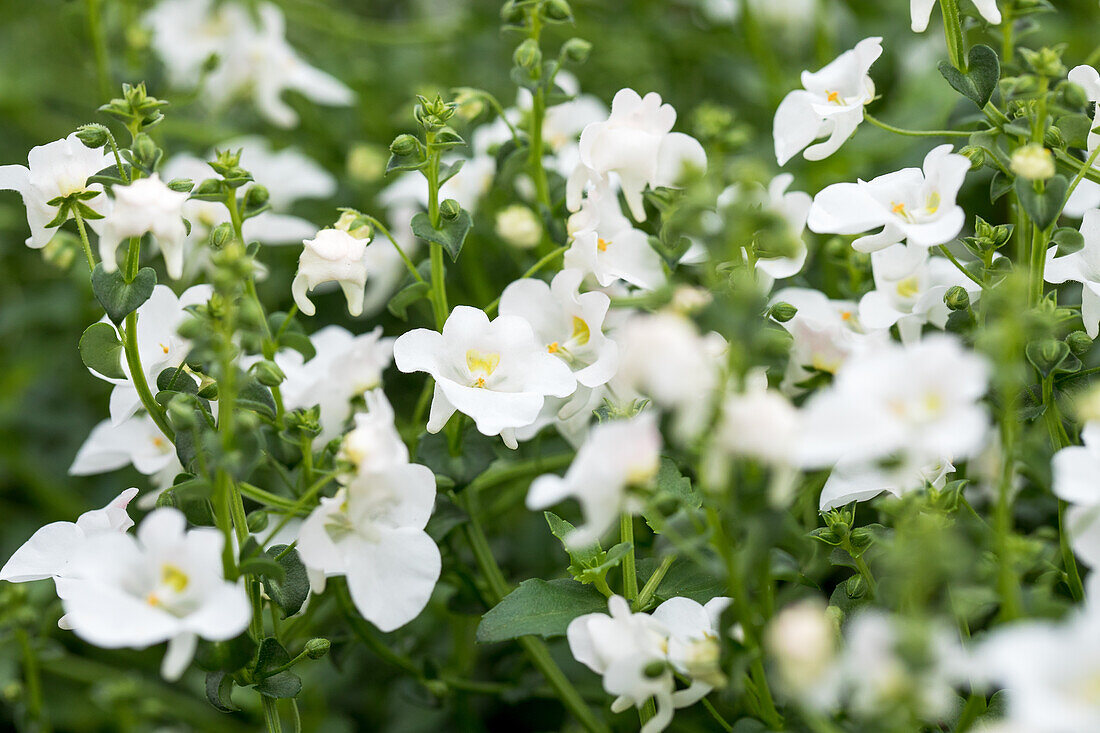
178, 656
391, 581
45, 554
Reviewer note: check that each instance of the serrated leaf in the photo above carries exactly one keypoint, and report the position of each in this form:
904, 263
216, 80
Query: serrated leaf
451, 234
291, 592
979, 81
1043, 208
399, 303
118, 297
539, 607
101, 351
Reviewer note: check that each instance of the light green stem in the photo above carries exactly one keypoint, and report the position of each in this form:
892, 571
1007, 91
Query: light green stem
630, 572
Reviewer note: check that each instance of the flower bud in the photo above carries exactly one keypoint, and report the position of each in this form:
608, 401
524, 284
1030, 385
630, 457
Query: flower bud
1053, 138
257, 521
317, 648
221, 235
576, 50
256, 198
1074, 95
1045, 62
268, 373
528, 56
404, 145
512, 12
146, 153
167, 498
782, 312
976, 156
354, 224
1047, 355
94, 135
1079, 343
656, 668
519, 226
956, 298
1033, 162
450, 210
557, 11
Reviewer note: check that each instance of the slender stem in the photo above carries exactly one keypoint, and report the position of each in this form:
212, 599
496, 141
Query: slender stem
630, 572
868, 578
520, 469
32, 680
914, 133
299, 506
255, 493
1085, 168
133, 356
543, 262
1037, 265
953, 33
954, 261
654, 580
99, 49
717, 716
404, 257
1073, 575
439, 288
1073, 165
84, 238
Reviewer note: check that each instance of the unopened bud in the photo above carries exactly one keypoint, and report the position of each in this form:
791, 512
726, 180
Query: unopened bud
450, 210
257, 521
528, 56
576, 50
317, 648
782, 312
511, 12
1033, 162
956, 298
1053, 138
256, 197
221, 235
94, 135
354, 224
519, 226
1047, 355
404, 145
557, 10
268, 373
976, 156
1079, 343
1075, 96
655, 668
166, 498
145, 150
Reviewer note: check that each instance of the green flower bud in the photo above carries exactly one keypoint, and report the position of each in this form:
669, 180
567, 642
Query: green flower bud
1045, 62
1033, 162
557, 11
450, 210
354, 223
782, 312
255, 198
257, 521
1047, 355
404, 145
167, 498
576, 50
146, 153
528, 56
221, 235
956, 298
268, 373
1053, 138
1074, 95
976, 156
511, 13
655, 669
317, 648
1079, 343
94, 135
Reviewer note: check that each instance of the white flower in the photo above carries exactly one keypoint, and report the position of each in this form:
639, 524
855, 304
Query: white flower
135, 441
617, 458
637, 144
1033, 162
344, 367
861, 481
146, 205
254, 59
693, 647
518, 226
164, 585
57, 169
794, 207
372, 532
374, 444
622, 647
495, 372
333, 255
1083, 267
1088, 79
608, 246
803, 641
921, 401
910, 204
160, 346
909, 289
50, 550
568, 323
921, 10
831, 104
759, 423
1075, 470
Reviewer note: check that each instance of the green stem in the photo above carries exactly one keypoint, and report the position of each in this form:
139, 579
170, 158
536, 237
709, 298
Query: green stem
133, 356
99, 49
255, 493
914, 133
543, 262
630, 572
868, 578
84, 238
954, 261
1081, 174
298, 507
1073, 575
1038, 264
1073, 165
32, 680
404, 257
439, 289
654, 580
953, 33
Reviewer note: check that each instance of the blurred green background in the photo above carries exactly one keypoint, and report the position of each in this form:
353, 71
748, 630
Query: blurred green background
725, 81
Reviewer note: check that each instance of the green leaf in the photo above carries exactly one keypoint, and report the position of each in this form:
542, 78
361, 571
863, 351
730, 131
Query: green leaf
447, 172
256, 397
474, 456
101, 351
979, 80
1075, 130
118, 297
674, 485
280, 686
399, 304
219, 692
270, 656
226, 656
177, 379
688, 580
588, 564
539, 607
291, 592
451, 234
263, 566
1043, 208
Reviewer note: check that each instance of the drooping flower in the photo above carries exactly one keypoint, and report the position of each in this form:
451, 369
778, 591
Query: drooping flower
830, 104
165, 584
909, 289
50, 550
374, 444
617, 459
332, 255
637, 144
1083, 267
569, 323
372, 532
606, 245
914, 205
921, 10
496, 372
861, 481
160, 346
146, 205
253, 56
624, 648
55, 170
920, 401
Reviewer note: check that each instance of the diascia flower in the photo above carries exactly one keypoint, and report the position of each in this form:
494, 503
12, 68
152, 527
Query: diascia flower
50, 550
921, 10
606, 245
55, 170
496, 372
1083, 267
830, 104
617, 459
146, 205
166, 584
637, 144
333, 255
914, 205
159, 344
372, 532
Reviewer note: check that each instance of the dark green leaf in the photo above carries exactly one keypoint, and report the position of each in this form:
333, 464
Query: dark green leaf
101, 351
1043, 208
225, 656
979, 80
399, 303
291, 592
256, 397
118, 297
451, 234
280, 686
539, 607
686, 579
219, 691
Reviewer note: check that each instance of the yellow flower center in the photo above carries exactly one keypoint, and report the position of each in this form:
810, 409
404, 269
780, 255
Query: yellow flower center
908, 287
602, 244
933, 204
174, 578
833, 97
481, 365
553, 348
